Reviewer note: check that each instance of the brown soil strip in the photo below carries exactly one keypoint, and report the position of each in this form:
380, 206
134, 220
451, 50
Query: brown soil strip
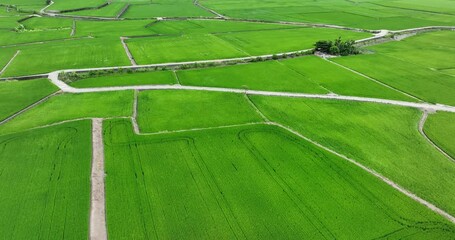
98, 229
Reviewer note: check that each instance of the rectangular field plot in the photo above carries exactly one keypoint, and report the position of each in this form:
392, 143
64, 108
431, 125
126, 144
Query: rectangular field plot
382, 137
257, 182
285, 40
68, 55
270, 76
177, 110
412, 65
15, 96
127, 79
180, 9
181, 48
60, 5
45, 183
440, 128
110, 10
68, 107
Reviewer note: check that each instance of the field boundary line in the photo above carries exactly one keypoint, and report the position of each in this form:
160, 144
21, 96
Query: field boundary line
374, 80
9, 62
197, 4
127, 51
422, 132
98, 229
29, 107
124, 9
201, 129
374, 173
46, 7
256, 108
433, 107
73, 28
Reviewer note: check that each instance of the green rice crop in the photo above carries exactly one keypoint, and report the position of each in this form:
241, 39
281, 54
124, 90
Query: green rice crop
181, 9
68, 55
177, 110
250, 182
73, 106
384, 138
440, 129
45, 183
270, 76
412, 70
127, 79
15, 96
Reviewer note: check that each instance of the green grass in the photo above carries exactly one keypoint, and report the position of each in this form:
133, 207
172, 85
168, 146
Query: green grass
341, 81
256, 182
68, 55
5, 56
73, 106
15, 96
307, 74
188, 47
69, 5
177, 110
269, 76
113, 29
272, 41
127, 79
36, 23
181, 48
384, 138
440, 129
181, 9
360, 13
45, 183
109, 11
8, 37
411, 70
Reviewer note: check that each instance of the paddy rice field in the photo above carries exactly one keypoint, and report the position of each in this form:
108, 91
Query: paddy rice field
214, 119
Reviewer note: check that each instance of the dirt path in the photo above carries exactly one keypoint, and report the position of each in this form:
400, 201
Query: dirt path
9, 62
124, 9
377, 175
422, 132
73, 29
197, 4
98, 229
431, 107
46, 7
134, 117
127, 51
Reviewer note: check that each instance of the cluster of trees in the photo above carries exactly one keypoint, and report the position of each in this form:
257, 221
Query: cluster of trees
337, 47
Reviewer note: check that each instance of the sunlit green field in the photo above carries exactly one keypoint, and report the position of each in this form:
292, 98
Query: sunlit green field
227, 119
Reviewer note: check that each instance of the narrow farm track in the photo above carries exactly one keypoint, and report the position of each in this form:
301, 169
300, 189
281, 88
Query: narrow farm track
134, 117
98, 229
9, 62
127, 51
422, 132
197, 4
28, 108
431, 107
374, 173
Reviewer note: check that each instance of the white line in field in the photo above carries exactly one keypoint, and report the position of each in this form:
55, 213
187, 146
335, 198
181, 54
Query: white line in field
374, 173
98, 229
201, 129
431, 107
372, 79
422, 132
256, 108
28, 108
9, 62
